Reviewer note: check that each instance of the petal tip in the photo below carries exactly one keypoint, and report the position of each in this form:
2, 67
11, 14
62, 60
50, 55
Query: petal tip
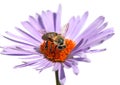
101, 17
86, 13
59, 8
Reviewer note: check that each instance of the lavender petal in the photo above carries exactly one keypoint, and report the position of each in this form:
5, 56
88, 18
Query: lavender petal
54, 20
24, 64
84, 59
56, 66
61, 75
99, 38
33, 57
49, 15
35, 23
17, 52
90, 29
23, 39
75, 69
27, 35
95, 50
58, 21
93, 26
67, 64
79, 26
20, 42
32, 30
46, 65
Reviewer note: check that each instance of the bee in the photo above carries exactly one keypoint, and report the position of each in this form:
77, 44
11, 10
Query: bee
56, 39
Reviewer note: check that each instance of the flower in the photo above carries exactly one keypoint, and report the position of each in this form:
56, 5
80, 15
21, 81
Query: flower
46, 45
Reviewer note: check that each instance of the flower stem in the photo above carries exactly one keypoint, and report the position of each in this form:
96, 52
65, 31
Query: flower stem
57, 78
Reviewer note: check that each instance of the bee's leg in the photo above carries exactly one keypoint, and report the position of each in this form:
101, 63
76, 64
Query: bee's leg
55, 47
51, 47
46, 45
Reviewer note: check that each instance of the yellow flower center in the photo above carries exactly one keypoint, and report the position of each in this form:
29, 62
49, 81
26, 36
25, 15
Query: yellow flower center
53, 53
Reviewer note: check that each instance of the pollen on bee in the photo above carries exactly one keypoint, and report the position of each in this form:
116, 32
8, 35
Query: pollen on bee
54, 54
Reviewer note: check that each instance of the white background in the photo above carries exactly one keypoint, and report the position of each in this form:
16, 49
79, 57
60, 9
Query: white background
104, 68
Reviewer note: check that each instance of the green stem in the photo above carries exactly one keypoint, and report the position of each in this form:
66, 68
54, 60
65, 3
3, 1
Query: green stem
57, 78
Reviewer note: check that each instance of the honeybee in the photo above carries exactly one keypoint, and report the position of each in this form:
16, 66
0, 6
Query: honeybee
56, 39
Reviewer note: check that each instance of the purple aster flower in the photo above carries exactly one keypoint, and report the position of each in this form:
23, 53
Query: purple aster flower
47, 45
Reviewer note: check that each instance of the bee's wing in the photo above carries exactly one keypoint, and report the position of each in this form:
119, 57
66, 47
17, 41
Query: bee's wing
65, 29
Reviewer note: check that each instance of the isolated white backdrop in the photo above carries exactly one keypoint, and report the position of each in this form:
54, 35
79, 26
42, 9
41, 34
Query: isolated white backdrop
104, 68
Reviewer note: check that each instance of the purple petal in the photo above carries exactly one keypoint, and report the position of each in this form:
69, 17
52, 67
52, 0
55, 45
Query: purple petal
99, 38
33, 57
95, 32
94, 25
25, 34
75, 26
95, 50
75, 69
83, 59
12, 54
45, 65
41, 22
90, 30
78, 45
29, 63
25, 64
54, 20
41, 62
72, 23
32, 30
80, 54
20, 42
35, 23
67, 64
56, 66
25, 47
61, 75
79, 26
47, 18
58, 20
72, 61
50, 20
95, 40
100, 28
46, 22
79, 50
17, 51
23, 39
